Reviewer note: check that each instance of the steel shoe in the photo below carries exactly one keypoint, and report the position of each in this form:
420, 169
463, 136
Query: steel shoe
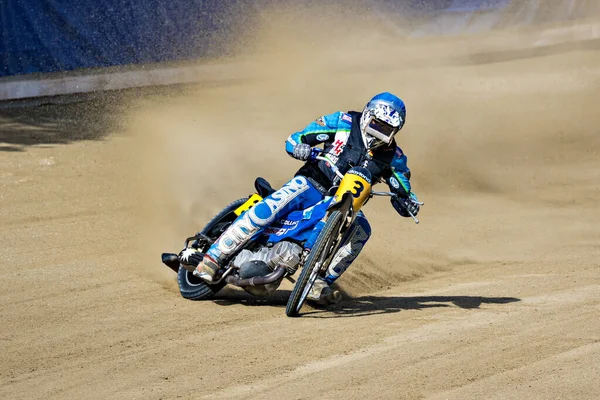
207, 269
322, 294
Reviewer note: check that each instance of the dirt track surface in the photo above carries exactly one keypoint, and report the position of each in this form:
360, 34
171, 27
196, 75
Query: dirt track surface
495, 295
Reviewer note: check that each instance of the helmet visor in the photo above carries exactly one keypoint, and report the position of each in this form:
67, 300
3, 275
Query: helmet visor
381, 130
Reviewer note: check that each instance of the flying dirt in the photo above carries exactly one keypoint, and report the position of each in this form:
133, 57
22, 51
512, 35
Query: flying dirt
495, 294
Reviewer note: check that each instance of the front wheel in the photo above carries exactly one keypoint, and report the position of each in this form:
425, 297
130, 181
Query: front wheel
320, 253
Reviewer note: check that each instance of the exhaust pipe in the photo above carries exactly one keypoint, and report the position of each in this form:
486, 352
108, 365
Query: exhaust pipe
170, 260
256, 280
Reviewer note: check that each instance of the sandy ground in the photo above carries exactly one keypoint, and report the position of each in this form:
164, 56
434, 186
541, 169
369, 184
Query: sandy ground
495, 295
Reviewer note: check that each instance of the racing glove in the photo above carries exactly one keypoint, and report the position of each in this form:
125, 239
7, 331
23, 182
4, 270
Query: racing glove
406, 206
302, 151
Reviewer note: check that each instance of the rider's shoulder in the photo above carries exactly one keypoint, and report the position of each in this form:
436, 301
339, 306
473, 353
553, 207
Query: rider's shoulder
344, 118
398, 152
399, 161
334, 119
399, 156
393, 147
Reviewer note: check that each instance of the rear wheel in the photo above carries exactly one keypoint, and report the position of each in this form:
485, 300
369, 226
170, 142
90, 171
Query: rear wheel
191, 287
320, 254
194, 288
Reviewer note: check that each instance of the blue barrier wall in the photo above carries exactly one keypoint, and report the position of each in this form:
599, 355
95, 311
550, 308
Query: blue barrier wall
59, 35
56, 35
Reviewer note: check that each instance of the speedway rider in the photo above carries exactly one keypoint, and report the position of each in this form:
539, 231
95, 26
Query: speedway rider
350, 139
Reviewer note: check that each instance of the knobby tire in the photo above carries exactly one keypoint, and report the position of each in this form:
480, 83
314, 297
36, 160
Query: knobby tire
323, 243
191, 287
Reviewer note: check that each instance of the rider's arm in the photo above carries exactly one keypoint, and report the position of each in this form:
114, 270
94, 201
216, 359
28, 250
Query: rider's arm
405, 202
321, 130
399, 178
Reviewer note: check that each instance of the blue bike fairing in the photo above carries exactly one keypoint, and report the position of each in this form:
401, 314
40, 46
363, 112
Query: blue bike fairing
298, 225
297, 194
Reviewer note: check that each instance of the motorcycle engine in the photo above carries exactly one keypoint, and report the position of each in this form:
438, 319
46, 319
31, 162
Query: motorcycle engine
263, 261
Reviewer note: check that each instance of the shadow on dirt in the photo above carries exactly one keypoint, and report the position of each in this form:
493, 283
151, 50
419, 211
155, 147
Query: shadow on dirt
360, 306
24, 124
66, 119
231, 296
373, 305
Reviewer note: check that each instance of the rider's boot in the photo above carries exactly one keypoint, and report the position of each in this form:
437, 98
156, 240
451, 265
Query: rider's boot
207, 269
234, 237
353, 243
322, 293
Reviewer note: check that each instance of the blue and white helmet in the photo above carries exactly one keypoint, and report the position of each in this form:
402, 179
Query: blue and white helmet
382, 118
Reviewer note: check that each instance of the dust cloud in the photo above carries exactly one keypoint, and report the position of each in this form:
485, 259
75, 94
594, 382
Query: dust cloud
495, 122
493, 295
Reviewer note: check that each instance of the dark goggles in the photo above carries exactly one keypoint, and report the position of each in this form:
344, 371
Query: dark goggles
383, 128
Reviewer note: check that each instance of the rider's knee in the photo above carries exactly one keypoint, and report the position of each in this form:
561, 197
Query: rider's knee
364, 228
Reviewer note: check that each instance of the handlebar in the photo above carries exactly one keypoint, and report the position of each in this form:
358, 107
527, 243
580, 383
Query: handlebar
331, 165
335, 169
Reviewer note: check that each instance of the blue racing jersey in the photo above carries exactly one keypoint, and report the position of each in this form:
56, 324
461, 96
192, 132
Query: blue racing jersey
343, 144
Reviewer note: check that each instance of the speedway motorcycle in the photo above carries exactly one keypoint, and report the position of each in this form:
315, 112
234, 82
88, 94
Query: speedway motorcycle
262, 264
